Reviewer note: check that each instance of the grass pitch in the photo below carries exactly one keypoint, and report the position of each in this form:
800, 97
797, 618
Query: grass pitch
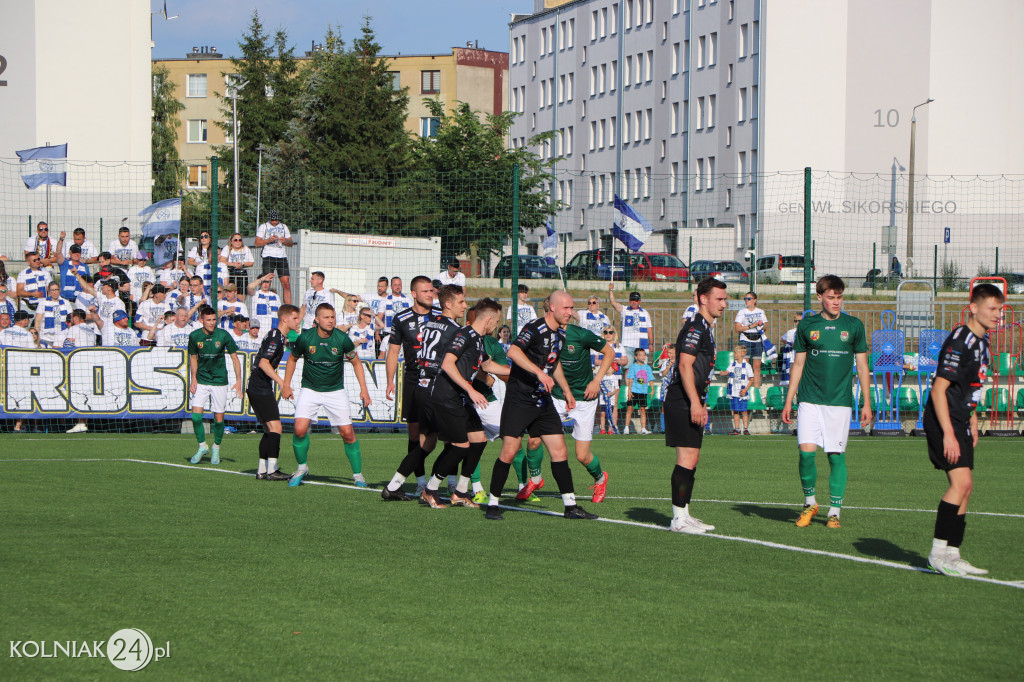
255, 580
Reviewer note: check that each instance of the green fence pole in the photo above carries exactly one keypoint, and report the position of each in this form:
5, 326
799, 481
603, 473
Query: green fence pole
807, 238
213, 231
935, 270
30, 233
565, 261
874, 266
996, 271
515, 250
101, 235
689, 263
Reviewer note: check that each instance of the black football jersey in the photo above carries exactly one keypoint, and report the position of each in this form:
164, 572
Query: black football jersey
436, 336
272, 348
406, 328
468, 349
541, 344
963, 361
696, 339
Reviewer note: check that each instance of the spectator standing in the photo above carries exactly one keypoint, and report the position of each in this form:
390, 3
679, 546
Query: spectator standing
123, 250
8, 304
151, 311
691, 310
90, 254
253, 337
637, 326
70, 287
201, 253
452, 275
750, 324
122, 283
274, 236
362, 335
78, 334
238, 259
349, 313
139, 274
505, 337
180, 288
238, 330
741, 378
593, 318
638, 386
19, 335
171, 272
116, 333
526, 312
43, 245
196, 298
394, 303
51, 313
32, 281
788, 354
314, 296
174, 335
264, 302
229, 307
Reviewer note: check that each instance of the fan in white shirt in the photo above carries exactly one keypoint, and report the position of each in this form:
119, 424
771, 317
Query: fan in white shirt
171, 272
230, 307
123, 249
176, 333
79, 334
117, 333
525, 312
362, 334
18, 335
139, 274
452, 275
51, 313
151, 311
90, 254
264, 302
253, 337
314, 296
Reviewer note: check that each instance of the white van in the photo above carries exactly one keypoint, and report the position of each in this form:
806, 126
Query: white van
777, 269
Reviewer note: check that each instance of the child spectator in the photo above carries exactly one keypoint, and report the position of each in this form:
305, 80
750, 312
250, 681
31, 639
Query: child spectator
525, 312
253, 338
174, 334
152, 308
788, 355
609, 398
741, 378
638, 383
361, 334
139, 274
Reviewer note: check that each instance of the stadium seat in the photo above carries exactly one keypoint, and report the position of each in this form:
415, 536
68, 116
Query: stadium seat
908, 400
1005, 365
754, 402
874, 400
1020, 400
716, 394
654, 397
622, 397
775, 399
722, 360
1002, 403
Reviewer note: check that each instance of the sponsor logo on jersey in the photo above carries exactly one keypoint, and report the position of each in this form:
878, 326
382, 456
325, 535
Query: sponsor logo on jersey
312, 350
815, 334
844, 336
334, 351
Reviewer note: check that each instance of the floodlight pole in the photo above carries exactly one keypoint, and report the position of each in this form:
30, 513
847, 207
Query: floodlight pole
259, 179
234, 144
910, 188
890, 239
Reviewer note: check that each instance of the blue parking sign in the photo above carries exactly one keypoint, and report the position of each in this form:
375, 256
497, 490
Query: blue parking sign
945, 236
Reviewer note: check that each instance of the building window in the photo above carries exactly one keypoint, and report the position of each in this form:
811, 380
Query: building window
755, 38
601, 77
650, 66
753, 101
515, 50
429, 126
710, 184
732, 10
741, 167
639, 68
700, 174
568, 141
198, 177
614, 76
197, 130
600, 134
430, 82
543, 94
593, 81
637, 122
625, 128
522, 49
561, 36
647, 182
663, 150
674, 123
628, 19
569, 88
593, 135
625, 183
728, 76
396, 80
700, 113
611, 132
593, 26
664, 31
743, 41
197, 85
647, 123
711, 110
650, 11
629, 68
675, 58
728, 199
728, 136
561, 89
636, 189
613, 20
701, 42
592, 190
713, 50
741, 103
674, 178
602, 22
570, 36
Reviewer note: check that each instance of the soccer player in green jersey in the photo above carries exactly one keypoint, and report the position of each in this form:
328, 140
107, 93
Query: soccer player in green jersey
208, 379
826, 346
324, 350
575, 397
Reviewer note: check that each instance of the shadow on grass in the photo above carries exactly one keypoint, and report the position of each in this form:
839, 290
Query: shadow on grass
646, 515
782, 514
883, 549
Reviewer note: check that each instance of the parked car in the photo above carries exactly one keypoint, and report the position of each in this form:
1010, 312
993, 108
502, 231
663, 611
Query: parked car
530, 267
658, 267
596, 264
729, 271
778, 269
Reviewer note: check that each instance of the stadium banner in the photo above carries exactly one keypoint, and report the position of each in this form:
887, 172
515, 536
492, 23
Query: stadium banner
151, 383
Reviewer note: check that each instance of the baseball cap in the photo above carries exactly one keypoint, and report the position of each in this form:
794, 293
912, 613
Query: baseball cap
21, 315
255, 322
634, 296
119, 315
142, 255
273, 214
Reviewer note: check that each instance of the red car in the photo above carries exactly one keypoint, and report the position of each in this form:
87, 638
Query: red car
658, 267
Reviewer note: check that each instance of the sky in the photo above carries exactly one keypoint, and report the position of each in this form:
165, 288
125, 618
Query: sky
402, 26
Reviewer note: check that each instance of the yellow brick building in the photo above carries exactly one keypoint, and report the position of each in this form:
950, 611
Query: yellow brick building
466, 74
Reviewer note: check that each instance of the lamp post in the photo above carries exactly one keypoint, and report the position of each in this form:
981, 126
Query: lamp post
234, 145
910, 188
259, 178
890, 238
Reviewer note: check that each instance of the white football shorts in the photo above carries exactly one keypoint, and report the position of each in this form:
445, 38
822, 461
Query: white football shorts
827, 426
582, 416
335, 403
491, 419
211, 398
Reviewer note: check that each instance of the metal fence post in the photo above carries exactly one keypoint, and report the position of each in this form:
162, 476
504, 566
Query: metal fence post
807, 238
515, 250
214, 250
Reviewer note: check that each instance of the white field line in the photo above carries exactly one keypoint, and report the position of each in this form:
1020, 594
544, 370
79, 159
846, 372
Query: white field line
1018, 584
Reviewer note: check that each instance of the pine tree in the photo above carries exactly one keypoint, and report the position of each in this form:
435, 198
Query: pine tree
168, 173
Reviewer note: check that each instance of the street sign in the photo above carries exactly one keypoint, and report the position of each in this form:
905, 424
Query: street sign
945, 236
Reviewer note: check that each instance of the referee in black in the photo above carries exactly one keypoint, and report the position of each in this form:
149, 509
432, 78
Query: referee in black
685, 413
260, 390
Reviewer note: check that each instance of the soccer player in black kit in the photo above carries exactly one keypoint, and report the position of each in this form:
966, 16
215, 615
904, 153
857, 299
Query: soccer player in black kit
436, 334
685, 413
453, 401
406, 327
261, 391
951, 425
528, 406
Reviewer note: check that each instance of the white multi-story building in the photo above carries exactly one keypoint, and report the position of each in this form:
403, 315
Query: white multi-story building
704, 113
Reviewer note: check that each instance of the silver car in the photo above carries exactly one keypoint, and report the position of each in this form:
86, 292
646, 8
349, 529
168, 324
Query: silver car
729, 271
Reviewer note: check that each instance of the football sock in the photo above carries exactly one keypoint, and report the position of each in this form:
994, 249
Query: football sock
355, 457
396, 482
519, 466
834, 511
569, 499
563, 477
197, 427
272, 461
218, 432
263, 447
475, 476
477, 487
412, 445
533, 461
682, 485
498, 477
434, 483
421, 481
836, 480
956, 537
471, 461
939, 546
945, 520
463, 485
444, 463
594, 469
301, 448
414, 461
453, 480
274, 449
263, 466
808, 472
679, 513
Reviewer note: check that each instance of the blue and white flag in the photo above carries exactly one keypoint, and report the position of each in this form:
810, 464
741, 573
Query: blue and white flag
162, 222
550, 244
633, 229
44, 166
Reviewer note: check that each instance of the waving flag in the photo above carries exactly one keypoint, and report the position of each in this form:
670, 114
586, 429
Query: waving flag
44, 166
162, 222
633, 229
550, 244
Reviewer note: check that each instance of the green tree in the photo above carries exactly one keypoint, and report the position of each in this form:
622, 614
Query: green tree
266, 84
168, 172
465, 173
